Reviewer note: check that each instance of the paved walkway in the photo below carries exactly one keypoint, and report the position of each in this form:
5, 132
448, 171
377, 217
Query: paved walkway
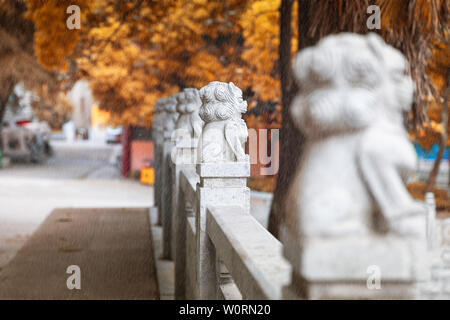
79, 175
112, 247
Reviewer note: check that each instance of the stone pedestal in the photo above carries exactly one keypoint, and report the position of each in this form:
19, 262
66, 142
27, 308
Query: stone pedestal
220, 184
356, 267
352, 230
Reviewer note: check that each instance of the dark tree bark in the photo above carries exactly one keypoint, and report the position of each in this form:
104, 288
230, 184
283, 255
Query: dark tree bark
443, 143
5, 91
291, 139
276, 213
316, 19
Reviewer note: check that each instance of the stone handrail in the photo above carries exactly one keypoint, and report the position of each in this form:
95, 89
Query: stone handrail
247, 260
185, 236
252, 256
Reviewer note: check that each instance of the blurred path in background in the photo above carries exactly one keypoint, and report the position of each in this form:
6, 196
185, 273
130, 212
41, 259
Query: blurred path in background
80, 174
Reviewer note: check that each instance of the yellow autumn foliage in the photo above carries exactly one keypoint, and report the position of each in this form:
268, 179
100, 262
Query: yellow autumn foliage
134, 52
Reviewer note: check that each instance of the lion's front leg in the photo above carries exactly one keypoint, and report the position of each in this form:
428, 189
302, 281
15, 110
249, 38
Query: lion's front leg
383, 163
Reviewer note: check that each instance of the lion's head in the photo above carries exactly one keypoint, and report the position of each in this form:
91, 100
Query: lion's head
221, 101
170, 104
188, 100
346, 80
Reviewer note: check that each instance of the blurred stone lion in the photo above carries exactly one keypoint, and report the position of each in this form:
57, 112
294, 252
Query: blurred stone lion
353, 93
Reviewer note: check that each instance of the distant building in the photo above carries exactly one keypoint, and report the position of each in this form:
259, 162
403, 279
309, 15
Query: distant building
81, 98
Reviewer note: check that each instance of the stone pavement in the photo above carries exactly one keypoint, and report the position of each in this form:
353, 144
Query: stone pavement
79, 175
112, 247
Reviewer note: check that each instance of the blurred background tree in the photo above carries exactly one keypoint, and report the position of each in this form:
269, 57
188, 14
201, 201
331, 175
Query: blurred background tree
134, 52
17, 60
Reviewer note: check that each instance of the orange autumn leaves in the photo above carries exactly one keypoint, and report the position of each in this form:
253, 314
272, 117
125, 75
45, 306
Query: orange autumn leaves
52, 40
427, 21
438, 64
134, 53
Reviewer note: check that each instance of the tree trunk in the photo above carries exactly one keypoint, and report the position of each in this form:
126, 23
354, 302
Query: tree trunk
5, 90
290, 138
443, 144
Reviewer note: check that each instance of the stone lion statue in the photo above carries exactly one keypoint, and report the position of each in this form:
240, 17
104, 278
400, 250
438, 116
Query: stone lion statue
225, 132
353, 93
158, 115
189, 122
170, 107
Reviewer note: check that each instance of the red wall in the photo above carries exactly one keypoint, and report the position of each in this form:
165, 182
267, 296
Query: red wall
141, 150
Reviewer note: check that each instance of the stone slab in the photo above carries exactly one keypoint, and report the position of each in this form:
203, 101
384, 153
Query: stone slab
224, 169
349, 258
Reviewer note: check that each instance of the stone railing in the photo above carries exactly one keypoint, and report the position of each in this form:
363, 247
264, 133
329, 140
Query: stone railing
219, 250
351, 229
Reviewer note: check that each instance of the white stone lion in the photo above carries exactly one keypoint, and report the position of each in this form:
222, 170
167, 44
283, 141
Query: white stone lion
170, 112
225, 132
189, 122
351, 179
158, 116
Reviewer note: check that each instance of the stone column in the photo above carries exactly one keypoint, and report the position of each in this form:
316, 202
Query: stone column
157, 136
166, 176
223, 171
190, 267
431, 220
159, 173
185, 158
183, 210
166, 192
221, 184
187, 131
352, 231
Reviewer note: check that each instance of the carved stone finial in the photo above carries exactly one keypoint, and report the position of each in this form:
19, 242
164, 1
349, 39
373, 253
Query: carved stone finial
158, 116
189, 121
348, 207
225, 132
171, 115
353, 92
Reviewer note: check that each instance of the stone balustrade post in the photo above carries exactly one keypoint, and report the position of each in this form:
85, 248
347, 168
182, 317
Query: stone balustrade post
166, 192
190, 246
220, 184
183, 211
166, 173
223, 171
187, 130
431, 220
157, 135
184, 156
